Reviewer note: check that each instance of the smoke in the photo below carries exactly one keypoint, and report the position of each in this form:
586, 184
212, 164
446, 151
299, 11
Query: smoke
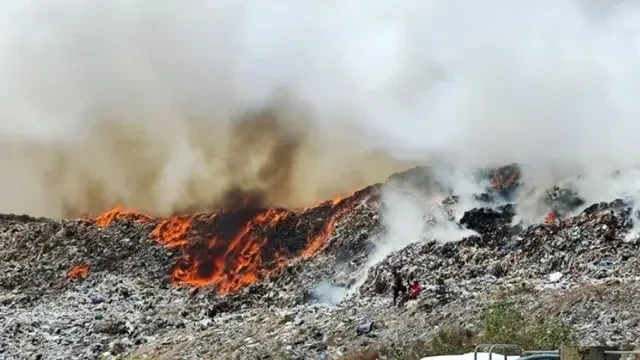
166, 107
328, 293
180, 106
412, 211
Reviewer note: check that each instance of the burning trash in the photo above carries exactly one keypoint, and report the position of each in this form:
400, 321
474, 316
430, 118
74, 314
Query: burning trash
233, 249
551, 218
257, 256
78, 272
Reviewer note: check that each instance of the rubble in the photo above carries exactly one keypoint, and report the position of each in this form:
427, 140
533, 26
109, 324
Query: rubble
107, 287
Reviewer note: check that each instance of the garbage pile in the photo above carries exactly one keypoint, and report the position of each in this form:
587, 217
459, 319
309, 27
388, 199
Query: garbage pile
504, 251
305, 283
224, 252
40, 256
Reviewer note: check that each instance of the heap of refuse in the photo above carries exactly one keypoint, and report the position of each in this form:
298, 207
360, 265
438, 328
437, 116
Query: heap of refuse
502, 250
298, 284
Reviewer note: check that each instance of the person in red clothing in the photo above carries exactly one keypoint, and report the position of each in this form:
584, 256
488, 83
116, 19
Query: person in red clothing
414, 290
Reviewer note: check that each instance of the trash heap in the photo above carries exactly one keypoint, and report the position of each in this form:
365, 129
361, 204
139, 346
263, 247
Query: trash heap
308, 283
502, 250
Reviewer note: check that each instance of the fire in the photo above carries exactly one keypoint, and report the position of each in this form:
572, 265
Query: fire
231, 250
118, 213
171, 232
78, 271
551, 218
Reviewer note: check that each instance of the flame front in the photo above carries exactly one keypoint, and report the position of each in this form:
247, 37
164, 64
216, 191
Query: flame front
118, 213
235, 249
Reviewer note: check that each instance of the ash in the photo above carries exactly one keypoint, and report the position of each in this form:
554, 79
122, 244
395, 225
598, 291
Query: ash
584, 268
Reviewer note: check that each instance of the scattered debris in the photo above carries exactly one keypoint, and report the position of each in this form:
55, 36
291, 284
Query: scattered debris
364, 328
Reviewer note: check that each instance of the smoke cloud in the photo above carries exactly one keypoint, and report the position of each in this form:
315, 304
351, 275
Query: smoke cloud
181, 106
328, 293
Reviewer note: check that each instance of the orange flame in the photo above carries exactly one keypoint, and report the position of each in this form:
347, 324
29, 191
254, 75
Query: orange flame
550, 218
171, 232
78, 271
233, 250
119, 213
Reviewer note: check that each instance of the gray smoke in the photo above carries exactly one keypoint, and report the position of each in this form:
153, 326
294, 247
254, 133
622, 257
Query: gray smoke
146, 104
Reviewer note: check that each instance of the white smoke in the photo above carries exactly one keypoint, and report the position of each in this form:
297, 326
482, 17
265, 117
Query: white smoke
328, 293
134, 101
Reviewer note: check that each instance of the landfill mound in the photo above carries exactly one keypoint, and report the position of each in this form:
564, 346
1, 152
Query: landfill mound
223, 252
296, 283
585, 246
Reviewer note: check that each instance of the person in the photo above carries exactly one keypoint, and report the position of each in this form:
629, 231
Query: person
414, 290
398, 286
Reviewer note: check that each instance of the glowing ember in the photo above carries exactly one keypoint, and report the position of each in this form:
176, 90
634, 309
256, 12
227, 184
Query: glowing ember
78, 271
231, 250
551, 218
